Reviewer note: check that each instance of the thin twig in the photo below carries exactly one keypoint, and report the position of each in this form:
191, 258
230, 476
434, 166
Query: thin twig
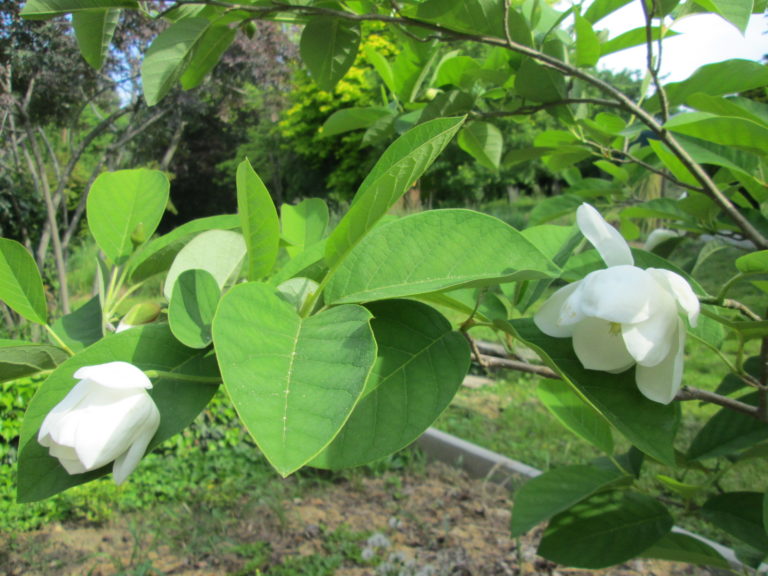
689, 393
518, 365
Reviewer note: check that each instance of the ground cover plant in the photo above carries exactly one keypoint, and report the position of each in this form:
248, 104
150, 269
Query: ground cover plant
330, 341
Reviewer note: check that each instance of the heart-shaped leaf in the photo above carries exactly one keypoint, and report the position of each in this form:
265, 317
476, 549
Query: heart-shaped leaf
294, 381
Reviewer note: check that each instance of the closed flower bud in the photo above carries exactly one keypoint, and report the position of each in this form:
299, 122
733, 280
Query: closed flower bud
108, 416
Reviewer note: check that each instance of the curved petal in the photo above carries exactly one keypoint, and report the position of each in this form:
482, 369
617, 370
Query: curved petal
127, 462
600, 347
549, 318
115, 375
612, 247
649, 342
661, 382
109, 428
67, 458
621, 294
680, 289
69, 402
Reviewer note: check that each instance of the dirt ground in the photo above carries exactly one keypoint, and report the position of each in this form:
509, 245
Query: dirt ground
440, 523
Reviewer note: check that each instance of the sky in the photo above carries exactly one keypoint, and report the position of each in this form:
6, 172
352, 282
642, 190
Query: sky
705, 38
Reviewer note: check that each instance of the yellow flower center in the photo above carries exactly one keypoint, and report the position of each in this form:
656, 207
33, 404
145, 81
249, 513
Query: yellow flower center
614, 329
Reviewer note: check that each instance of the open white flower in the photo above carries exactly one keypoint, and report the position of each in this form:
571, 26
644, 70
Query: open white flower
623, 315
107, 416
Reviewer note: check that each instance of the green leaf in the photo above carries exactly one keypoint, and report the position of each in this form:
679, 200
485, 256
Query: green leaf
435, 250
718, 79
304, 224
122, 204
219, 252
599, 9
737, 12
632, 38
81, 328
727, 131
157, 255
754, 263
554, 207
151, 347
731, 106
555, 491
575, 413
648, 425
740, 514
605, 530
169, 55
258, 220
294, 381
94, 31
728, 432
539, 83
193, 305
678, 547
328, 47
350, 119
399, 167
19, 359
207, 53
21, 286
482, 141
420, 365
587, 43
40, 9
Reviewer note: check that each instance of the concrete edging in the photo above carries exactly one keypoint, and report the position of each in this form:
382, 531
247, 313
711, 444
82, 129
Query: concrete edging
479, 462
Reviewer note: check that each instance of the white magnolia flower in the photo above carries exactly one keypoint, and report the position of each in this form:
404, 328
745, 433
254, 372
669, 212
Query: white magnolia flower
107, 416
623, 315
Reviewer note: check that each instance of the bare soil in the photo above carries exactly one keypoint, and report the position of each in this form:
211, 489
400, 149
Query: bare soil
435, 523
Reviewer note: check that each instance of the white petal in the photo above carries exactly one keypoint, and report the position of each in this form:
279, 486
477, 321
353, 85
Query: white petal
612, 247
599, 347
52, 419
680, 289
115, 375
649, 342
549, 318
621, 294
109, 428
659, 236
127, 462
661, 382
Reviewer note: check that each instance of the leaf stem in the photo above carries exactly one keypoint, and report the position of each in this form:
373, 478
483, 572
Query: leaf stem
158, 374
58, 340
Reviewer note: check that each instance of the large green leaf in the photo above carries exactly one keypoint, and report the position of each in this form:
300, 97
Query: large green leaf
420, 365
304, 224
587, 43
605, 530
754, 263
632, 38
395, 172
435, 250
150, 347
219, 252
720, 78
484, 142
19, 358
193, 305
599, 9
555, 491
37, 9
678, 547
157, 255
728, 432
740, 514
575, 413
648, 425
328, 48
169, 55
539, 83
258, 220
737, 12
21, 286
294, 381
124, 209
207, 53
726, 131
94, 31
